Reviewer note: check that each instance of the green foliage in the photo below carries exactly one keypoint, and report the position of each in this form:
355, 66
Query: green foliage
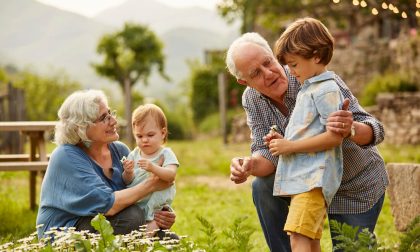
400, 154
385, 83
107, 241
43, 94
410, 241
240, 235
130, 54
210, 240
350, 239
204, 96
17, 220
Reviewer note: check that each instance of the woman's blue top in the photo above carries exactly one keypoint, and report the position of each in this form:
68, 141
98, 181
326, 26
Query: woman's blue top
74, 185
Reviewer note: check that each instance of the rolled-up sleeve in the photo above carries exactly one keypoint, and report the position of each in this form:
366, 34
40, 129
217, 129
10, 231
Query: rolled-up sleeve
75, 186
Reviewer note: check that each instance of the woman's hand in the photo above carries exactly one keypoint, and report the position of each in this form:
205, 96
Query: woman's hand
165, 219
156, 183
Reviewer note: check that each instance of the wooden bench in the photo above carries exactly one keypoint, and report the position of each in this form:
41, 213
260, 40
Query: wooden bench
17, 157
24, 166
32, 166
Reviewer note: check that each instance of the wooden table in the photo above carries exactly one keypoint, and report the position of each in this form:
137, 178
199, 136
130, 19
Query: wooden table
35, 130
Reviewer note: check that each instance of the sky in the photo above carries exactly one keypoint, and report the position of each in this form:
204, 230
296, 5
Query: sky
90, 8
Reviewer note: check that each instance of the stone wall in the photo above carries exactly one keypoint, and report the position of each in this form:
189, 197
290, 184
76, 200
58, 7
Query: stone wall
400, 115
367, 56
404, 193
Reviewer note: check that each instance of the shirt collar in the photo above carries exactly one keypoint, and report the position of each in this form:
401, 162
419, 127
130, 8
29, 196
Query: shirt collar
327, 75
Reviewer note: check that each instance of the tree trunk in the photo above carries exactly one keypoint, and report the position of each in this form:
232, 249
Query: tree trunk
127, 103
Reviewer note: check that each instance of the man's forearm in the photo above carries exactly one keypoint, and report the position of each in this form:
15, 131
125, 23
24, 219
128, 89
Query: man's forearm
261, 166
363, 134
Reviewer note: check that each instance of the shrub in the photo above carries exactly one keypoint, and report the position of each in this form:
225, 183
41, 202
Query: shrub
385, 83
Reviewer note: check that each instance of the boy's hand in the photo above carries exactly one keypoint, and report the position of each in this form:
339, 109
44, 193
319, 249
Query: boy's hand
280, 147
270, 136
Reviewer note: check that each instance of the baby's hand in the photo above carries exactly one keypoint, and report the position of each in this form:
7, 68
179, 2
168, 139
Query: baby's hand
145, 164
128, 165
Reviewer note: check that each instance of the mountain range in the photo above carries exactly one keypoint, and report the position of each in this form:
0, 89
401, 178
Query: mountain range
46, 39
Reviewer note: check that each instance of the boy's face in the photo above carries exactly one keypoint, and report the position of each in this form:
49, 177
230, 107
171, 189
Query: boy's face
302, 68
149, 136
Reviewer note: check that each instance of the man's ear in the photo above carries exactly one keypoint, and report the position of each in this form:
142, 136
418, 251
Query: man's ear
242, 82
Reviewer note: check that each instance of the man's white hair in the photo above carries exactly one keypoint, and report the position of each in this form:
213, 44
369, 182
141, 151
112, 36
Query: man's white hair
77, 112
249, 37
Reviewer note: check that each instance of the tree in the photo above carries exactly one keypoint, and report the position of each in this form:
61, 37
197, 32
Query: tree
129, 57
269, 17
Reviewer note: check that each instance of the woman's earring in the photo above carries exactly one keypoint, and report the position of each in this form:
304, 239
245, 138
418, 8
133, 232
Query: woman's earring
87, 143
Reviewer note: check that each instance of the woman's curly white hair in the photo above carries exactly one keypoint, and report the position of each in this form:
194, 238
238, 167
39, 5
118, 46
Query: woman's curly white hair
77, 112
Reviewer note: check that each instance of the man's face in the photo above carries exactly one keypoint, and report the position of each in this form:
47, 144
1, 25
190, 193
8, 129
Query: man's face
260, 70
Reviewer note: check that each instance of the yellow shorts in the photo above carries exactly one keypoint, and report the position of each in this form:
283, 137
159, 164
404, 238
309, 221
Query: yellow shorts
307, 213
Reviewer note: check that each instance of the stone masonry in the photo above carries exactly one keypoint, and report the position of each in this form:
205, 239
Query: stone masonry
404, 193
400, 115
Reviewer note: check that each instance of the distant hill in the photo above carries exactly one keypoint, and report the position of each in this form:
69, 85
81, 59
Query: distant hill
48, 38
45, 37
162, 18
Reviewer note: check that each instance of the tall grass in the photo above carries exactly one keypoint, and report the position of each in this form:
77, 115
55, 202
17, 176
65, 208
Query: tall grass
203, 189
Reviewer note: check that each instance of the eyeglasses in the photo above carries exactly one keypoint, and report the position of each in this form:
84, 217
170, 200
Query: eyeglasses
106, 118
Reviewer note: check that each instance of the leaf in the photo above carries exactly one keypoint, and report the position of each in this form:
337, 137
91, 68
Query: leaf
102, 225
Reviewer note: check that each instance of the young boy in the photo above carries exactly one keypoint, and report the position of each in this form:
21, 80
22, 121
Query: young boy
150, 129
311, 177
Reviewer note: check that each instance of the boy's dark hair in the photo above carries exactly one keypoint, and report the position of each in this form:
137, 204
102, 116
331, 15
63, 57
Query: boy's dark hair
308, 38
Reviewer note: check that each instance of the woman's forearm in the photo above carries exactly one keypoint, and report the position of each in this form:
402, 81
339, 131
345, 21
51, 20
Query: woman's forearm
129, 196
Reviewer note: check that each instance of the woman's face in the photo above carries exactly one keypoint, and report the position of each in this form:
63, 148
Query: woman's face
104, 128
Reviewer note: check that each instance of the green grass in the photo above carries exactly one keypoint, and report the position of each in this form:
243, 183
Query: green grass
203, 189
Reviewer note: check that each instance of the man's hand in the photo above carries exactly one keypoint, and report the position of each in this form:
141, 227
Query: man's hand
340, 122
165, 219
240, 169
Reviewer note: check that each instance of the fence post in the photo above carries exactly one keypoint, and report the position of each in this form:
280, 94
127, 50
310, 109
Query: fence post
221, 81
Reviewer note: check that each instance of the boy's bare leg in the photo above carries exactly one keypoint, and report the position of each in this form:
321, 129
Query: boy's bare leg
301, 243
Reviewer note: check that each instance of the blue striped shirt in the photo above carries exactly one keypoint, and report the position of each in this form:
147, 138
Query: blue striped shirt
364, 176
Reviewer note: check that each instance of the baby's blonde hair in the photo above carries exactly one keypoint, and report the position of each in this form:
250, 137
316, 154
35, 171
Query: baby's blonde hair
143, 111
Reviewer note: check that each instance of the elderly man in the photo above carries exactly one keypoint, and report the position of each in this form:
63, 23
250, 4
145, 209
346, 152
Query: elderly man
269, 100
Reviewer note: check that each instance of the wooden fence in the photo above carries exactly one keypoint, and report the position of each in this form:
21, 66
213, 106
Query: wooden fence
12, 108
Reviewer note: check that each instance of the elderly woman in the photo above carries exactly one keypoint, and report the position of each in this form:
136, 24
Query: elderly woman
84, 172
